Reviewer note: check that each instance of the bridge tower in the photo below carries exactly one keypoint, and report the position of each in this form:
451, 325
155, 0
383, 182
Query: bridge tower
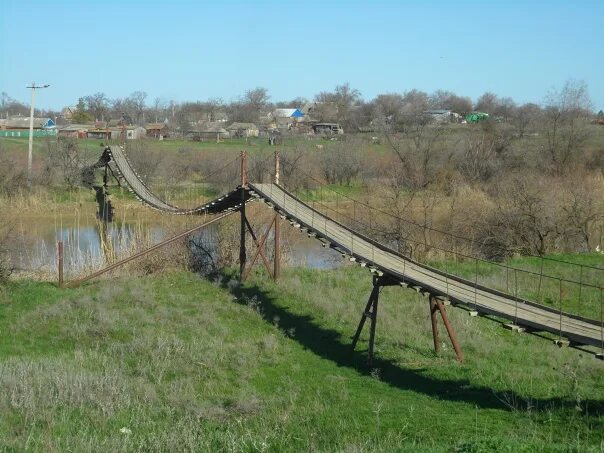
244, 266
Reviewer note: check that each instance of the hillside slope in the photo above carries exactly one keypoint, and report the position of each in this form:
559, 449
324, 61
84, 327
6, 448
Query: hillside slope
178, 362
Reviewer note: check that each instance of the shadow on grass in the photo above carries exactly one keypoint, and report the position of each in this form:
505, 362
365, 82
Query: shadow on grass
330, 344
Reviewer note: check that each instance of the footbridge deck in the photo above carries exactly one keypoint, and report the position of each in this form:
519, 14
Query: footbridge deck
407, 272
383, 261
145, 195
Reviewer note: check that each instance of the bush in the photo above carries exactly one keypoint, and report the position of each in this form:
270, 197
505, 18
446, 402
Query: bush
11, 178
6, 268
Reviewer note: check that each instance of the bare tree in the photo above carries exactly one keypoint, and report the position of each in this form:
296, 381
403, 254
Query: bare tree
159, 109
478, 162
97, 105
529, 214
341, 163
250, 106
525, 118
398, 204
418, 148
136, 105
12, 107
415, 102
387, 109
583, 204
565, 125
292, 161
441, 99
64, 157
12, 176
344, 98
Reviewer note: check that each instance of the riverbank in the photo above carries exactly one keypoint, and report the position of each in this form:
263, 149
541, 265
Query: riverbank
178, 362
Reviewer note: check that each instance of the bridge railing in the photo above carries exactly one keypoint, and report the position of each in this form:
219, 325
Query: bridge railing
566, 286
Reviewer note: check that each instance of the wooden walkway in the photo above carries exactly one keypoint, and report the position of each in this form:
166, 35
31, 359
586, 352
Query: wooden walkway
410, 273
382, 260
124, 168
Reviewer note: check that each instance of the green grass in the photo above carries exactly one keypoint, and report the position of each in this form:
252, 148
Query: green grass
189, 364
331, 193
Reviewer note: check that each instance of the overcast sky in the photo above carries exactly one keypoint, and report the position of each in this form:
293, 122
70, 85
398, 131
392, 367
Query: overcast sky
195, 50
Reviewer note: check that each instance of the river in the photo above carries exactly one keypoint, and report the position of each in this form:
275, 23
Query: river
86, 246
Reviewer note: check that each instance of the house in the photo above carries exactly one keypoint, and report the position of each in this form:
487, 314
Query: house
67, 112
75, 130
243, 130
327, 128
102, 133
22, 123
439, 115
117, 133
208, 130
287, 113
134, 132
285, 118
124, 120
157, 130
19, 127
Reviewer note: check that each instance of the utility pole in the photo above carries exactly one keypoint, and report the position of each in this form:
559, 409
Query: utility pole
31, 128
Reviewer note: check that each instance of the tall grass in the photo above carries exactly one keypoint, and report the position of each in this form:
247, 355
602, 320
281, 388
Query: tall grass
178, 363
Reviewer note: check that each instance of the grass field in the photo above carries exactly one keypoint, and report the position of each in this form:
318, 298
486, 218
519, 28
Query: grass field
177, 362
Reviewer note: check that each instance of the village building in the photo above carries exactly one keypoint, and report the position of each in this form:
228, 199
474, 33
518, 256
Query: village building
68, 112
19, 127
442, 116
75, 130
327, 129
157, 130
285, 119
134, 132
208, 131
243, 130
123, 120
102, 133
117, 133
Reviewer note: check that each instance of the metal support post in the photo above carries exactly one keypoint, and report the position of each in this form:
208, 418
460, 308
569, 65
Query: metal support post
433, 310
277, 237
369, 312
242, 254
450, 330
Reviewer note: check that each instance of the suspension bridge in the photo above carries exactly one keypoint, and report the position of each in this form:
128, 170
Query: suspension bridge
388, 266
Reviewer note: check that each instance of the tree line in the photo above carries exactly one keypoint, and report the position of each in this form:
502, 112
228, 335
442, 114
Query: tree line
344, 104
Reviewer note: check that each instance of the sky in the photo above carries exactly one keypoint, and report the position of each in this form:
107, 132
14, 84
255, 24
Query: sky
196, 50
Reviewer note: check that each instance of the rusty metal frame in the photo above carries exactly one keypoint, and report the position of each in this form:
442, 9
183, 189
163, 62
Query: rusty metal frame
371, 312
436, 305
259, 249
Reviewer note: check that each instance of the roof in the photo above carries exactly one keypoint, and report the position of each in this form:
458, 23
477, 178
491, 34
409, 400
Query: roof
437, 112
23, 123
287, 113
152, 126
77, 127
241, 126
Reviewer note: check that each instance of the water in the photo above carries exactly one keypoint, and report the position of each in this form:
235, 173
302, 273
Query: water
86, 244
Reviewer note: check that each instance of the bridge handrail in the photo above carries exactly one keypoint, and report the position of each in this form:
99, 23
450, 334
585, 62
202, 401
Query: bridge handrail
455, 252
436, 230
421, 265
